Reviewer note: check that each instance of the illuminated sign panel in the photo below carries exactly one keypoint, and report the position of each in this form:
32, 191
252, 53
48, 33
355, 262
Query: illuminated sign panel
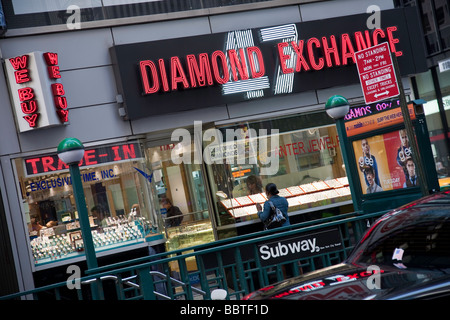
92, 157
38, 96
173, 75
363, 119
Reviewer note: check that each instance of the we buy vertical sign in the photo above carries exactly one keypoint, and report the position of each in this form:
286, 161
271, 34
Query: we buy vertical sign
376, 73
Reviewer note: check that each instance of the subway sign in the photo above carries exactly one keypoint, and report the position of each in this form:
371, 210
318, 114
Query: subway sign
166, 76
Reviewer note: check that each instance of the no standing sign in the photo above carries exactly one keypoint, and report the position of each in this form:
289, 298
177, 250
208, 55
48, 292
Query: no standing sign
376, 73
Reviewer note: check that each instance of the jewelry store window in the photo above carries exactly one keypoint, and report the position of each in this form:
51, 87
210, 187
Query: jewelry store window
179, 190
117, 198
300, 154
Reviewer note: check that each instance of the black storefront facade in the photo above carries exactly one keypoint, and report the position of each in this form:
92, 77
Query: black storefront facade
246, 107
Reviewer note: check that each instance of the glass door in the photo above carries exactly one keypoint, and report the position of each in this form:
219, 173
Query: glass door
180, 192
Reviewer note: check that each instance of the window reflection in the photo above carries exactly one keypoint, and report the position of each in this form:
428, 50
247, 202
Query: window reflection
310, 170
118, 204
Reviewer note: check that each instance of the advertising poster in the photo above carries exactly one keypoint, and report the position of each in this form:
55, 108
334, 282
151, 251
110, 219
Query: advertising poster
384, 162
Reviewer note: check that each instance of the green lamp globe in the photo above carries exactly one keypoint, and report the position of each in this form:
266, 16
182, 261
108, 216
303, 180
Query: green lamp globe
70, 150
337, 107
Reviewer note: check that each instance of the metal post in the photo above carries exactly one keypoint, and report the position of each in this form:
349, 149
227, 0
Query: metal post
346, 148
409, 129
146, 282
78, 193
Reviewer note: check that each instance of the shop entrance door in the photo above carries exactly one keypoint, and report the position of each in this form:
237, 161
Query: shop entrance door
176, 188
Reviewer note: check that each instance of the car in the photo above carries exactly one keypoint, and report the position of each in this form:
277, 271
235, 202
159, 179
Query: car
405, 254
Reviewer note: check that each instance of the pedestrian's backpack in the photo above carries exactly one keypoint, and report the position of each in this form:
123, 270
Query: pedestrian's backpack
276, 218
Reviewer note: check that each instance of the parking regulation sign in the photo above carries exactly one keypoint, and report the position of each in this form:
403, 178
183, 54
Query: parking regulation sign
376, 73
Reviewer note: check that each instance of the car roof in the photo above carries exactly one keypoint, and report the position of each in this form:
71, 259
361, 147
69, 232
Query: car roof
427, 212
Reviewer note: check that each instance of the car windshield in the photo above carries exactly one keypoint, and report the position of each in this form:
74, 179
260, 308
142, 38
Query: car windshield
416, 237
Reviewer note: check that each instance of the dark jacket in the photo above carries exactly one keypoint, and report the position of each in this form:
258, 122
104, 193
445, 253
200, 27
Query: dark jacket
172, 212
279, 202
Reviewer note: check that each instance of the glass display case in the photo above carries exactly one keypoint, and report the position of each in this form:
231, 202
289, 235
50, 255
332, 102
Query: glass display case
64, 242
189, 235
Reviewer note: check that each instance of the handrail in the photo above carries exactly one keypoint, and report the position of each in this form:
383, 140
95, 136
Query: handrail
223, 242
128, 281
140, 265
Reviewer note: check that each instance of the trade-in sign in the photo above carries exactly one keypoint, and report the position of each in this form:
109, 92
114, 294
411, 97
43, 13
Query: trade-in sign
377, 73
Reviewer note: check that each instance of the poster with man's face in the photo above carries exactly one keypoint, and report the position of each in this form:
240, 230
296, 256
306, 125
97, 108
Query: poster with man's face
384, 162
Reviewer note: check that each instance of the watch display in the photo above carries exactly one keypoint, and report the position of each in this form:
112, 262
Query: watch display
48, 246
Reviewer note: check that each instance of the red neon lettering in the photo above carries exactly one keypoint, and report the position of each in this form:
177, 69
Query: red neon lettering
177, 73
393, 41
199, 73
53, 72
58, 89
117, 157
283, 58
128, 151
238, 65
347, 49
366, 274
162, 68
61, 102
301, 61
29, 107
62, 165
223, 63
143, 66
312, 60
266, 288
258, 62
22, 76
32, 119
51, 58
377, 33
331, 50
63, 115
89, 157
354, 276
362, 44
47, 164
33, 164
19, 62
25, 94
281, 295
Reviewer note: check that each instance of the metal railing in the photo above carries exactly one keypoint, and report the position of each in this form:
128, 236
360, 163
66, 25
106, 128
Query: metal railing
230, 264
